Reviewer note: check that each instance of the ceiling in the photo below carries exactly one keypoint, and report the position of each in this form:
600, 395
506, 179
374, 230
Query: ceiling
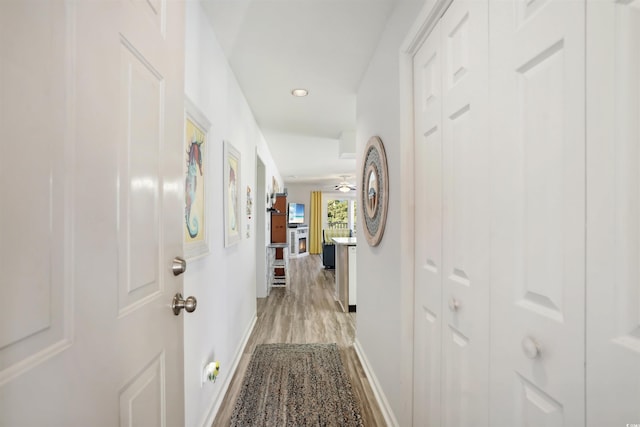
324, 46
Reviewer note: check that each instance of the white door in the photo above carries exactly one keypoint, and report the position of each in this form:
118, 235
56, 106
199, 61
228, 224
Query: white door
538, 200
613, 224
451, 324
465, 266
90, 217
428, 231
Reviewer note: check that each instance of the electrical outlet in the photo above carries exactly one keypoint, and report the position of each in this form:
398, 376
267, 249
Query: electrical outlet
210, 372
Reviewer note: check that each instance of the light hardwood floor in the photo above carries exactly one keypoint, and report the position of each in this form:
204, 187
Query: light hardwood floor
306, 312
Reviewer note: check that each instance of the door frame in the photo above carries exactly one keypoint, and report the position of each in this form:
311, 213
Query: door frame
415, 37
262, 288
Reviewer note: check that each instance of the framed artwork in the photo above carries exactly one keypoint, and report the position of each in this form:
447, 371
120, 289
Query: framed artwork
231, 191
249, 211
196, 127
374, 193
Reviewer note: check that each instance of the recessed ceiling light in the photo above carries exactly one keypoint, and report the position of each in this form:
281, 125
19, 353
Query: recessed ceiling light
299, 92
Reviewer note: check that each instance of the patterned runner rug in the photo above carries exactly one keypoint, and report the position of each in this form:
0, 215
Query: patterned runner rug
296, 385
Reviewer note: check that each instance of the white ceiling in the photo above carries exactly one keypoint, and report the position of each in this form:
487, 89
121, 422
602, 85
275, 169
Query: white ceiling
274, 46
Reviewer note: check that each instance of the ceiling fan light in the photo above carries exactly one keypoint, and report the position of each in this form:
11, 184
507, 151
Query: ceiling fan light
344, 189
299, 92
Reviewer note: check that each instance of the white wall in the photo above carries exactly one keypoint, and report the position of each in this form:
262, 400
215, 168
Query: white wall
384, 302
223, 281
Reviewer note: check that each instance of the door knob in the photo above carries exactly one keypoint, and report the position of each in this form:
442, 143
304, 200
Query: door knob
178, 304
530, 348
178, 266
454, 304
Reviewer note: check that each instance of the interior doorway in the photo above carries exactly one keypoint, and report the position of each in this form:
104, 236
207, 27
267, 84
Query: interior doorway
262, 289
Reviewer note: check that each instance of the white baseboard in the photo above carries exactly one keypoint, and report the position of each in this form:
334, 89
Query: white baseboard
215, 406
387, 412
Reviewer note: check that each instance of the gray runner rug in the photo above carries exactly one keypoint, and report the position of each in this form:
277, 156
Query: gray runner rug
296, 385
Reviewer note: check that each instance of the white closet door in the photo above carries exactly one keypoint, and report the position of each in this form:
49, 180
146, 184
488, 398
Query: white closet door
428, 231
466, 221
451, 344
613, 227
538, 200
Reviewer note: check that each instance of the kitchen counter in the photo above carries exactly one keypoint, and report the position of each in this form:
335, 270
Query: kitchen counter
345, 292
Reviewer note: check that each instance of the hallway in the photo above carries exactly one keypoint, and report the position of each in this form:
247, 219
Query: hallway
306, 312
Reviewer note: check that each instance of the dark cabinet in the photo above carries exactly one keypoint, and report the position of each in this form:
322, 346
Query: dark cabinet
280, 205
279, 228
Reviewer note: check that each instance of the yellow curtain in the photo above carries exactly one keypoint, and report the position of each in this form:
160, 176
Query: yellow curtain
315, 227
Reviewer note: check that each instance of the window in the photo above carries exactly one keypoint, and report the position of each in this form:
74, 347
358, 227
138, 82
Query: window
354, 216
341, 214
338, 213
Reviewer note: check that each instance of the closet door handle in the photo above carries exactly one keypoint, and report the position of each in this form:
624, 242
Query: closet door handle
454, 304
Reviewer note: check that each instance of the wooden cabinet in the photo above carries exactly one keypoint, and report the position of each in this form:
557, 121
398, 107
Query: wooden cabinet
279, 228
279, 220
280, 204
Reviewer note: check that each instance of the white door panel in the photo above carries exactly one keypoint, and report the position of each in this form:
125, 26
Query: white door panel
34, 193
97, 218
428, 231
142, 101
465, 294
538, 204
613, 226
452, 221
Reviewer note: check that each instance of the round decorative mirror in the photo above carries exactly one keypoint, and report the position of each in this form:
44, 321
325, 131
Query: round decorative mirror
372, 191
375, 190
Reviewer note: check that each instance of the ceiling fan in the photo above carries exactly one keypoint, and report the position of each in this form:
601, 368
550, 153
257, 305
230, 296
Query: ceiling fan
344, 186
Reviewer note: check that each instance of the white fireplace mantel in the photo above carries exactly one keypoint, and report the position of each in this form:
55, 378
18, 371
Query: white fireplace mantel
298, 241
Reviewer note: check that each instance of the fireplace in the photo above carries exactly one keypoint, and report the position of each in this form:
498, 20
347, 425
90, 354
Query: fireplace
298, 241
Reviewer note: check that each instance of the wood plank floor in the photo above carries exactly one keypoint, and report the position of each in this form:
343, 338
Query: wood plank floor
306, 312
